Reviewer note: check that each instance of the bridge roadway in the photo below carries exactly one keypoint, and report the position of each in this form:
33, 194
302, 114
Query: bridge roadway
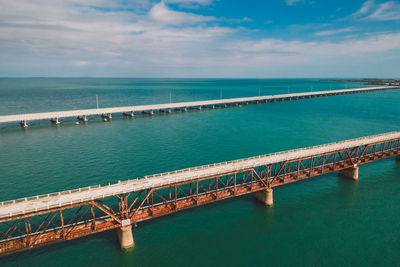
171, 106
66, 198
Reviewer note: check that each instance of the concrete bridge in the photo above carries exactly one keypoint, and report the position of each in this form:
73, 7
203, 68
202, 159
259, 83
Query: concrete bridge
130, 111
41, 220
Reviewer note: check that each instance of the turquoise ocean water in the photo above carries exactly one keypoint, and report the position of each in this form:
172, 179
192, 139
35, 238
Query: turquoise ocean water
320, 221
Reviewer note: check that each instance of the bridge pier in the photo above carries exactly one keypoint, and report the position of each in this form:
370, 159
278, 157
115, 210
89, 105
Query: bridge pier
151, 112
55, 121
265, 197
125, 237
106, 116
23, 124
349, 173
129, 114
82, 118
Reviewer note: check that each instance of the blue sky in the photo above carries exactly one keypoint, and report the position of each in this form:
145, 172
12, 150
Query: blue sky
199, 38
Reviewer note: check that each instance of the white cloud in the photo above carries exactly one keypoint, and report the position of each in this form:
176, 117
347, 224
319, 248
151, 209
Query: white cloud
334, 31
69, 38
81, 63
386, 11
383, 12
365, 8
160, 12
372, 44
308, 27
302, 57
191, 3
200, 2
293, 2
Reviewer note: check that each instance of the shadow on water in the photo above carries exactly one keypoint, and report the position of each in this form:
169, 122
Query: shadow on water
347, 188
108, 238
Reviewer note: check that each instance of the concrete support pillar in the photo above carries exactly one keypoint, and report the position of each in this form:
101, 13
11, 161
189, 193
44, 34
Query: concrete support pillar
23, 124
129, 114
106, 116
55, 121
82, 118
125, 237
350, 173
265, 197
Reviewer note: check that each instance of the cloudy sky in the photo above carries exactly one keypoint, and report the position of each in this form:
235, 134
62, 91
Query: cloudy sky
200, 38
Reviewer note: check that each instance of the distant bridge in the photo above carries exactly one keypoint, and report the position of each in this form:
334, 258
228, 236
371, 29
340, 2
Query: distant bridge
41, 220
130, 111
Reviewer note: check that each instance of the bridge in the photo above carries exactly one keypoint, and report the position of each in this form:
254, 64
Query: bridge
36, 221
106, 113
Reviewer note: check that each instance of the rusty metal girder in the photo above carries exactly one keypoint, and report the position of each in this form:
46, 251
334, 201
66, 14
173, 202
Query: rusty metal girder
32, 230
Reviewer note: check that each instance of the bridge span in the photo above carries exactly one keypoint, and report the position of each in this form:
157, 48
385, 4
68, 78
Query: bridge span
106, 113
35, 221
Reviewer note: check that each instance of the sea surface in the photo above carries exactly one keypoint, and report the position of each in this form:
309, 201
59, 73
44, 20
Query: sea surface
319, 221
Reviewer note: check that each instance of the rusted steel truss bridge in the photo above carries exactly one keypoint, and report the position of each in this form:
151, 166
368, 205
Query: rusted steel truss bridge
41, 220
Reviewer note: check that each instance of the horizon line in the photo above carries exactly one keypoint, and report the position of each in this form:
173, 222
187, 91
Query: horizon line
230, 78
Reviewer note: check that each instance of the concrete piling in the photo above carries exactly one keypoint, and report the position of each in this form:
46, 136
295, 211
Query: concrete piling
349, 173
106, 116
55, 121
129, 114
125, 237
23, 124
82, 118
265, 197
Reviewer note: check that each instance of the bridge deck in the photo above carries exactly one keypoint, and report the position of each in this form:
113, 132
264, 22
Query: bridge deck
88, 112
44, 202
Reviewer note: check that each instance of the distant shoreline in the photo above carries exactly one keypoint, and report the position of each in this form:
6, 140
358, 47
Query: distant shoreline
370, 81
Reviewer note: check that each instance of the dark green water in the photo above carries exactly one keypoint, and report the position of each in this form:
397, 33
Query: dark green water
321, 221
